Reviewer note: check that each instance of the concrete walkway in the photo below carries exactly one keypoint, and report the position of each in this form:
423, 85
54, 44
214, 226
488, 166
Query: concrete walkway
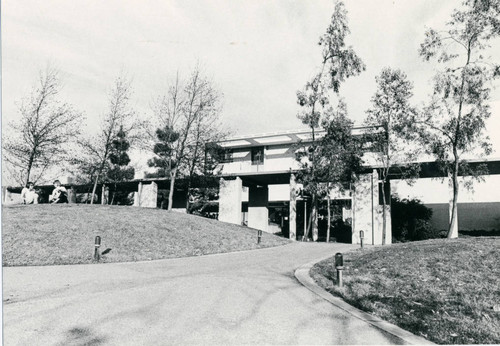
238, 298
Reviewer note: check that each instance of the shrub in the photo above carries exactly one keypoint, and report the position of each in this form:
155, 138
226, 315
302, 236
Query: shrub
410, 220
341, 231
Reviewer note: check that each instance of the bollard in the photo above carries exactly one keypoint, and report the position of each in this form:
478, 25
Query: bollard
361, 237
97, 255
339, 265
259, 236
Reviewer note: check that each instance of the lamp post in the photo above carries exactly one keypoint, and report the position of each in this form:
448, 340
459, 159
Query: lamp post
339, 266
97, 255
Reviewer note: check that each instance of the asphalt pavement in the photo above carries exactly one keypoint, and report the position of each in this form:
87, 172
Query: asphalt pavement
249, 297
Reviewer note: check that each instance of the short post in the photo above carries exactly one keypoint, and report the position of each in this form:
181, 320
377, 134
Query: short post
97, 255
339, 265
259, 236
361, 237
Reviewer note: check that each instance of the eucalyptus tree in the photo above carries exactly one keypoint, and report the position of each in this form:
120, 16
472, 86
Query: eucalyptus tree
387, 132
453, 123
340, 155
339, 62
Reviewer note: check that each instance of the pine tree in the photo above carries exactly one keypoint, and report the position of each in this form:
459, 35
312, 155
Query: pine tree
119, 160
164, 159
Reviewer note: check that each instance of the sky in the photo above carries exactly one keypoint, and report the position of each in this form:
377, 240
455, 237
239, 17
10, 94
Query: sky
257, 53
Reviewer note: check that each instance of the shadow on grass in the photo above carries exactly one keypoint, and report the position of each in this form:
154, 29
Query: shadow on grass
83, 336
480, 233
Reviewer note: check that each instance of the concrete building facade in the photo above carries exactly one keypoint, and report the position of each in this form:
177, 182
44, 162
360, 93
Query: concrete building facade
262, 169
258, 178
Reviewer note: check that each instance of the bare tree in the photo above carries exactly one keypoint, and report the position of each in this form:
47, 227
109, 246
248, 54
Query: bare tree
188, 115
207, 131
40, 138
94, 159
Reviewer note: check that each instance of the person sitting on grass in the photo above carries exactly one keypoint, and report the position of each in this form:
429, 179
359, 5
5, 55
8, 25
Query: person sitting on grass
59, 195
29, 195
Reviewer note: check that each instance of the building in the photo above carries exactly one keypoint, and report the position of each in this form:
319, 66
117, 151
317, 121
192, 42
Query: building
258, 188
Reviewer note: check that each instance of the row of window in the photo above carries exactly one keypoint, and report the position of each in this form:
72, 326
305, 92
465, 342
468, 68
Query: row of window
257, 156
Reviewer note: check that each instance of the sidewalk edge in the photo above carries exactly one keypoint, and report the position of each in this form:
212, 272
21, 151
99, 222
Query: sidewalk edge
302, 275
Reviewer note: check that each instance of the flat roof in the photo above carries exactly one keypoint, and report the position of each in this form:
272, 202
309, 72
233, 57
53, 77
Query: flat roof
281, 137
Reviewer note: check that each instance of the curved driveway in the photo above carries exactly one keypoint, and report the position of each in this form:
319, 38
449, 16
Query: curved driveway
247, 297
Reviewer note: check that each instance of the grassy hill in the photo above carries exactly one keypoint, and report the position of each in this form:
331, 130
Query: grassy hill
445, 290
64, 234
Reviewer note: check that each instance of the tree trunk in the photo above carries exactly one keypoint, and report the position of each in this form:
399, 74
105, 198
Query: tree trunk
384, 214
113, 197
329, 215
187, 196
30, 165
314, 219
94, 189
453, 226
173, 174
305, 237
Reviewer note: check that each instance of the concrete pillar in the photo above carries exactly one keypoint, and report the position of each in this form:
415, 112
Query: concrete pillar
149, 195
377, 211
258, 214
292, 216
104, 194
230, 200
71, 195
137, 196
363, 206
367, 211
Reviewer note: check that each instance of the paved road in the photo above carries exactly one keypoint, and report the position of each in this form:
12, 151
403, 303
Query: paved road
239, 298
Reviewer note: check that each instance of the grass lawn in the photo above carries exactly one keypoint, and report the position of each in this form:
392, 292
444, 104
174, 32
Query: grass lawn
47, 234
447, 291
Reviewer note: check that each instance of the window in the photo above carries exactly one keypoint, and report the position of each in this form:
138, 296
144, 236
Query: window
258, 156
228, 156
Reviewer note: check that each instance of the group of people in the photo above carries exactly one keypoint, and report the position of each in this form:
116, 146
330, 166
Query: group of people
58, 195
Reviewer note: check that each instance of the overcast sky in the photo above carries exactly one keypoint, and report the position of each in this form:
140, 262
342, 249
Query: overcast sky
258, 53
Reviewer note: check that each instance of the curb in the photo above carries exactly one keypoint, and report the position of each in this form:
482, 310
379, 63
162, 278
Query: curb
302, 274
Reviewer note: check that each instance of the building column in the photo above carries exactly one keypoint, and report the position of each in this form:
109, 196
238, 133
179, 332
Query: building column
149, 195
230, 200
363, 203
258, 214
367, 211
292, 214
137, 195
71, 195
104, 194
